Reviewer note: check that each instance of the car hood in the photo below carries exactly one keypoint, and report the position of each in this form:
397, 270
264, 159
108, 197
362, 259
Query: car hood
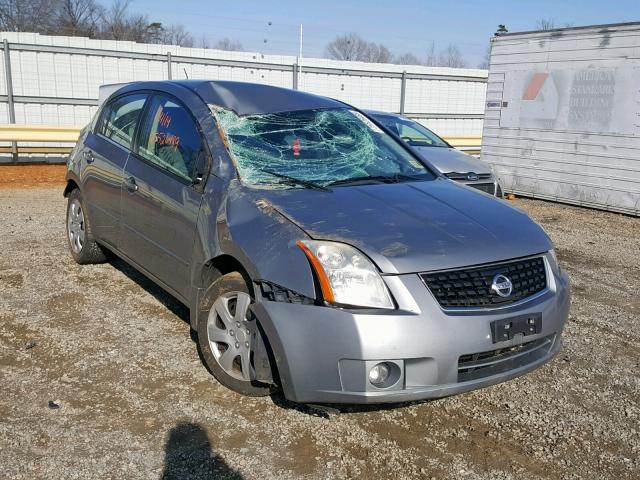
413, 226
448, 160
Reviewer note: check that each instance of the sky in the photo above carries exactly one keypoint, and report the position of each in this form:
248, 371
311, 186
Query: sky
401, 25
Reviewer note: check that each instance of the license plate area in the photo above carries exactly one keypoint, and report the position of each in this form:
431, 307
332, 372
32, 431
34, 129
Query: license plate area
507, 328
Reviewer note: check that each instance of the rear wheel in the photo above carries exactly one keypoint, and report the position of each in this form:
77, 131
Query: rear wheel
84, 248
226, 335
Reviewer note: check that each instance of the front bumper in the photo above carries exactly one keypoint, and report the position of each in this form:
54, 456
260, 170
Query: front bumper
323, 354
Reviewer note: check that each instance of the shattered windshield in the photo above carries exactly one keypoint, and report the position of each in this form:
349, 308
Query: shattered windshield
315, 148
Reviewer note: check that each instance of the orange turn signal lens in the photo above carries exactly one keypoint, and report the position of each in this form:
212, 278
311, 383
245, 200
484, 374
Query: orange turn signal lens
325, 286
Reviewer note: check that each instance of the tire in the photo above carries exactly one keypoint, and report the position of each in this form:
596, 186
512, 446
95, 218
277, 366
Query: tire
82, 245
225, 347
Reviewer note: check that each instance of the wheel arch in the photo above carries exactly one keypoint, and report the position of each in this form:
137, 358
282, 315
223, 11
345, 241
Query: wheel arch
212, 270
73, 183
218, 266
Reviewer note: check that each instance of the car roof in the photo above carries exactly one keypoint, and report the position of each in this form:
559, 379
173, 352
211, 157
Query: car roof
245, 98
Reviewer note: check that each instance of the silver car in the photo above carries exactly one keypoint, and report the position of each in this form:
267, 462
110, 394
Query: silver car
317, 253
452, 163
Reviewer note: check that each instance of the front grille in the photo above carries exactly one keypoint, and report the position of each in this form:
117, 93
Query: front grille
472, 366
484, 187
471, 287
465, 176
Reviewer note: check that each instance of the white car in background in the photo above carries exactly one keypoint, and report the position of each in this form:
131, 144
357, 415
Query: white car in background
452, 163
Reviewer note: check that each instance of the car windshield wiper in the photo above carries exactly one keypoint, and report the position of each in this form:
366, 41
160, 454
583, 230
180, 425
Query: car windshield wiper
397, 178
295, 181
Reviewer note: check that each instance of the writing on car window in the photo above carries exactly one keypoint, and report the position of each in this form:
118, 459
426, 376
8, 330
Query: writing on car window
171, 139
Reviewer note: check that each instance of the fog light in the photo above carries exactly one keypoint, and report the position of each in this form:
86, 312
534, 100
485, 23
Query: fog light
379, 374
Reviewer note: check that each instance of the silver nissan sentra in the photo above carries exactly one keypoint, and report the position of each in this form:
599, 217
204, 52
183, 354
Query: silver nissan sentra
451, 162
317, 253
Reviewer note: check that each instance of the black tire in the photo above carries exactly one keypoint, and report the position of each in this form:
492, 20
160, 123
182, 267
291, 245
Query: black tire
87, 251
226, 285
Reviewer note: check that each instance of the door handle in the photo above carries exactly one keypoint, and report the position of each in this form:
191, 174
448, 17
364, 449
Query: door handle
132, 186
88, 156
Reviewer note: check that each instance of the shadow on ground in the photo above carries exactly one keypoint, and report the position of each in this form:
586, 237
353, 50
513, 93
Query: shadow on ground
326, 410
173, 304
188, 455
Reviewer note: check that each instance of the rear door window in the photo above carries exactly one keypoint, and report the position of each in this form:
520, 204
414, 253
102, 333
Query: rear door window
170, 138
120, 117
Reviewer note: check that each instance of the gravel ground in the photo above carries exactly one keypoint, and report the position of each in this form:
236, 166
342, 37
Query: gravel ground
100, 379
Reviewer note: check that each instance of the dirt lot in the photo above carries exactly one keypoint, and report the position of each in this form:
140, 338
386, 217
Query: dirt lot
100, 379
27, 176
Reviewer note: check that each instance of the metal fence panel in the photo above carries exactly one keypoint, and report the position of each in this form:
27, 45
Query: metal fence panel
56, 79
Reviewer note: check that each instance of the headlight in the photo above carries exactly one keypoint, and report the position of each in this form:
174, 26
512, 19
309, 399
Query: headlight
346, 275
555, 266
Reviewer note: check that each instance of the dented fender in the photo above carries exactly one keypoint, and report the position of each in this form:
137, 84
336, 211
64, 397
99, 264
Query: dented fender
251, 230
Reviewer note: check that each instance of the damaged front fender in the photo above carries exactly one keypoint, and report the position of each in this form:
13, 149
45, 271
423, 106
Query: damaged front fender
250, 229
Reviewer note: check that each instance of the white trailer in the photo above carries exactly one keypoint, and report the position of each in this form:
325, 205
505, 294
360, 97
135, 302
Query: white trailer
562, 115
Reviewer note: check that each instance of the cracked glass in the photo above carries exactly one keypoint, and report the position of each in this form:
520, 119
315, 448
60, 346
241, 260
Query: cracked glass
316, 146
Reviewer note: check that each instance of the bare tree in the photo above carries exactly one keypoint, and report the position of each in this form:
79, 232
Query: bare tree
432, 57
88, 18
451, 57
407, 59
545, 24
176, 35
118, 24
484, 64
113, 20
229, 45
347, 47
79, 18
27, 15
378, 53
353, 47
204, 42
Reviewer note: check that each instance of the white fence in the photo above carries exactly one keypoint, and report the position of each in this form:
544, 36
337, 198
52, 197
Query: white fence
54, 80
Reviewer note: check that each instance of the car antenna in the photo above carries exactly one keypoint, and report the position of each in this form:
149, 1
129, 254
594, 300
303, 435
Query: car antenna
185, 73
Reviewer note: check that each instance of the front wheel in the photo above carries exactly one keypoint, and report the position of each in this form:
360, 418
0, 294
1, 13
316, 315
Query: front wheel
227, 336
